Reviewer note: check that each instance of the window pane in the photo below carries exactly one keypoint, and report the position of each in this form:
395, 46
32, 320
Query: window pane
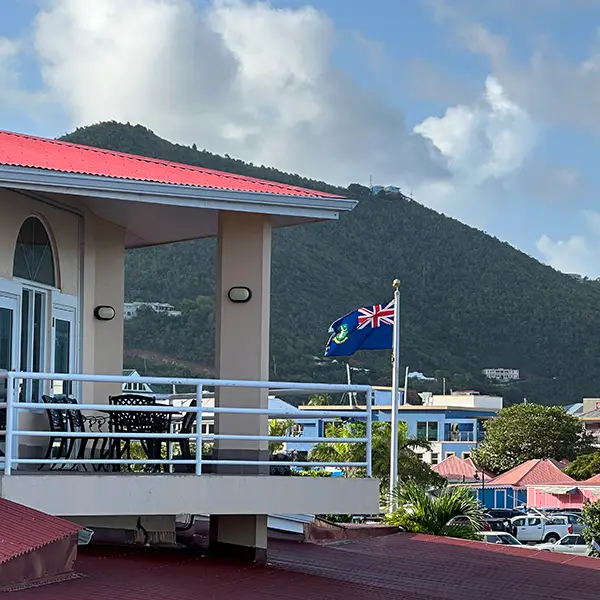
38, 332
62, 352
33, 259
6, 329
422, 430
432, 431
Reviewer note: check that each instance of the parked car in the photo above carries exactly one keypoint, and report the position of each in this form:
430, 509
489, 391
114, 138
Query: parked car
490, 524
537, 528
570, 544
504, 513
574, 520
496, 537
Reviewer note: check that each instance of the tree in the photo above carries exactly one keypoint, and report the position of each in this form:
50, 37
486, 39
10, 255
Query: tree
421, 512
591, 519
525, 431
279, 428
410, 465
584, 466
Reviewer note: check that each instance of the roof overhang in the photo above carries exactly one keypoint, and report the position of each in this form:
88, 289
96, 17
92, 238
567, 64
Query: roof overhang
558, 490
157, 213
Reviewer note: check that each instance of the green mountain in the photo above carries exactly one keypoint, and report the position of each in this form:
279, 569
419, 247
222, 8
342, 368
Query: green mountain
469, 301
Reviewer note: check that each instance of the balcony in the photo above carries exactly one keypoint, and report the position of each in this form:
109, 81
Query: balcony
145, 455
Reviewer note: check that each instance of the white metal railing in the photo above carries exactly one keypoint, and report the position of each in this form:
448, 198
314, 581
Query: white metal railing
14, 407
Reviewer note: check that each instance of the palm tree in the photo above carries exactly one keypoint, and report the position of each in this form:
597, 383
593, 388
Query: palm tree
410, 466
420, 512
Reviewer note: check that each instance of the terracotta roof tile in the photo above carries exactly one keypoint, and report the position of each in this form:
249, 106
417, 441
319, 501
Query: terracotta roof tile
456, 469
23, 529
595, 480
19, 150
534, 472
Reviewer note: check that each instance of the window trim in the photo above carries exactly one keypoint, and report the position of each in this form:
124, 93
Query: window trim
53, 250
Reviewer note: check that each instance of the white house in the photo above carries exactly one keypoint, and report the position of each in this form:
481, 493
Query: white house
502, 374
131, 309
67, 216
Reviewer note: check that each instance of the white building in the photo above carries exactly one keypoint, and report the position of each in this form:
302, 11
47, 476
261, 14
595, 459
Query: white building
502, 374
131, 309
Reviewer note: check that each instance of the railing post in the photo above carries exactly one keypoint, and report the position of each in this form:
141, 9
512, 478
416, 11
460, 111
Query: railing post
199, 429
370, 432
10, 420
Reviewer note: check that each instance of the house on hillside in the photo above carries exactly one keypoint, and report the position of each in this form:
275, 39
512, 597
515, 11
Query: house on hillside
510, 489
69, 213
131, 309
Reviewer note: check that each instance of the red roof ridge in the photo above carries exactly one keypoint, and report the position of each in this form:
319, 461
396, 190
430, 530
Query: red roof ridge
24, 529
536, 471
162, 163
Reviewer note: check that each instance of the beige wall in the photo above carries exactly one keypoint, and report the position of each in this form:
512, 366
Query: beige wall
100, 344
63, 225
104, 273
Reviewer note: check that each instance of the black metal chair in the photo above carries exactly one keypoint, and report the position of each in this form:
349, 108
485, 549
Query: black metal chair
138, 422
57, 423
70, 420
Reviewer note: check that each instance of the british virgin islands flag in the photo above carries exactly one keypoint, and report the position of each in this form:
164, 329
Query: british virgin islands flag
368, 328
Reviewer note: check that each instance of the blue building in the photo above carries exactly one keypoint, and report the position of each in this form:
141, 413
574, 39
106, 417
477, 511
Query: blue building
453, 424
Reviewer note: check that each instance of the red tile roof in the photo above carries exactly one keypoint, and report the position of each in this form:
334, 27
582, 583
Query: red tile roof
395, 567
534, 472
23, 529
457, 469
594, 480
19, 150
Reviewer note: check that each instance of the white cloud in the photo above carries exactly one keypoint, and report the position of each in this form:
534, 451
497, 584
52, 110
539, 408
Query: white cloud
569, 256
244, 78
579, 253
483, 142
238, 77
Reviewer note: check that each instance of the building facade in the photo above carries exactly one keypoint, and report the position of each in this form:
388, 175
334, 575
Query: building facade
453, 424
502, 374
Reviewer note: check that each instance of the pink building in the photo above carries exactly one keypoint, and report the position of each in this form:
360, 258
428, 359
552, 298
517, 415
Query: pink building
566, 496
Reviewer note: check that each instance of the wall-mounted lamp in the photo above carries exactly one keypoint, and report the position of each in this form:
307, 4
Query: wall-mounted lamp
104, 313
239, 294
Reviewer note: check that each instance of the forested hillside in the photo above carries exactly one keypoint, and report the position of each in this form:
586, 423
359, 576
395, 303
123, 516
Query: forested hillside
469, 300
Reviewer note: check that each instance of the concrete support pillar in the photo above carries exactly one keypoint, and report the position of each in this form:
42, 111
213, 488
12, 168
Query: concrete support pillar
242, 352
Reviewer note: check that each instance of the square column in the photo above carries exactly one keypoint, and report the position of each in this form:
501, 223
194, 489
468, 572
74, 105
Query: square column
242, 352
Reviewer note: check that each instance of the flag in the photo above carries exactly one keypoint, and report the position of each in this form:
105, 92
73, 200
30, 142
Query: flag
368, 328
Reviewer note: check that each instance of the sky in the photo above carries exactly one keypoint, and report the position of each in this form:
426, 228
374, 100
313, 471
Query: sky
485, 110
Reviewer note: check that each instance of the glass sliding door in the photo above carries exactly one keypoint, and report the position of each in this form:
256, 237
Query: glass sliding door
33, 340
63, 346
8, 347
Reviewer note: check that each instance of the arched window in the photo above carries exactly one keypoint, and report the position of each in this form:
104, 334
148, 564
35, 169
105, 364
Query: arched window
34, 258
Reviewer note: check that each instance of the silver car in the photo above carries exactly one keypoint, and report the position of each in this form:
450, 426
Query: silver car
574, 520
570, 544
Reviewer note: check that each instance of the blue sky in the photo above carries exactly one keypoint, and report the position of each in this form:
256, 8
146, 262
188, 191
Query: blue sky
484, 110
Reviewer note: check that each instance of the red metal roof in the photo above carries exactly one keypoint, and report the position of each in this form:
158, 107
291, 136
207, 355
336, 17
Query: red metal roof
23, 529
19, 150
394, 567
594, 480
456, 469
534, 472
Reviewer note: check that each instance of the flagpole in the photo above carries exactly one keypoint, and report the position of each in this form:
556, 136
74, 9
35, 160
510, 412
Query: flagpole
395, 394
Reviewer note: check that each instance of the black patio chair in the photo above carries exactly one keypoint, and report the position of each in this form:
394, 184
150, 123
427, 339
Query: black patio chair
137, 422
71, 420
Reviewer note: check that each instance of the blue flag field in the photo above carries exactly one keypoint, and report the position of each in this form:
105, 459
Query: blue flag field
368, 328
